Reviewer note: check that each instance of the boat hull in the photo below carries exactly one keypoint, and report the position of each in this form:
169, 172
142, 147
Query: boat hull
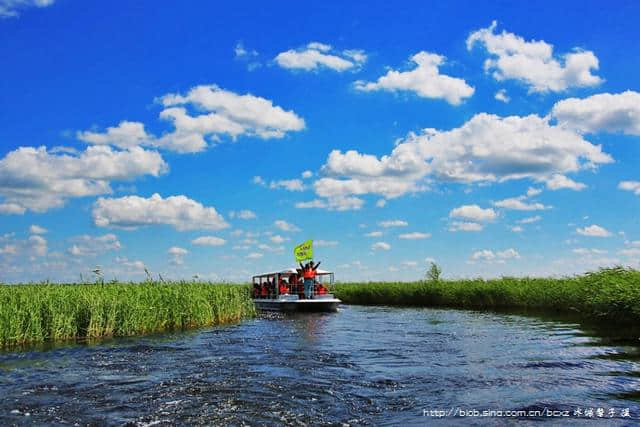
297, 306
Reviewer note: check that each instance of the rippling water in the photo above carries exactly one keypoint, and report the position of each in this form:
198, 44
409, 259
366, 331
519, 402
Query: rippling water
363, 365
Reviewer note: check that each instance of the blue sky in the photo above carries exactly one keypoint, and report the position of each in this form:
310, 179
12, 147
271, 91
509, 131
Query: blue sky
209, 139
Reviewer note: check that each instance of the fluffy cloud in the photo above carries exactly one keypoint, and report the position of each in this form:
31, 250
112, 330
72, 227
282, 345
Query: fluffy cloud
533, 62
285, 226
36, 229
125, 135
11, 209
179, 212
558, 182
243, 214
324, 243
381, 246
488, 255
501, 96
530, 220
487, 148
594, 231
38, 179
516, 229
374, 234
520, 204
223, 113
38, 245
87, 245
287, 184
337, 203
465, 226
208, 241
633, 186
254, 255
473, 213
415, 235
11, 8
177, 255
393, 223
319, 55
587, 251
424, 80
603, 112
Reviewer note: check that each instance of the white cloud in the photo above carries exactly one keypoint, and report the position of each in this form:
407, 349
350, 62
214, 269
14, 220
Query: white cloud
587, 251
465, 226
381, 246
533, 62
241, 52
604, 112
473, 213
11, 209
594, 231
125, 135
307, 174
318, 55
630, 252
36, 179
633, 186
9, 249
285, 226
223, 113
381, 203
485, 149
11, 8
254, 255
38, 245
414, 236
374, 234
488, 255
287, 184
558, 182
532, 192
530, 220
324, 243
208, 241
135, 266
410, 264
424, 80
36, 229
338, 203
501, 96
177, 255
86, 245
520, 204
243, 214
516, 229
393, 223
179, 212
277, 239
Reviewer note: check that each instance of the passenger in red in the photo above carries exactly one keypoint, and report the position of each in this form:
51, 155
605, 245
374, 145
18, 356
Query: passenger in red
309, 274
263, 290
283, 289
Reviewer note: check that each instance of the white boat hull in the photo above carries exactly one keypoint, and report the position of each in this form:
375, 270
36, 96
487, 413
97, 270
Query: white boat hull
325, 304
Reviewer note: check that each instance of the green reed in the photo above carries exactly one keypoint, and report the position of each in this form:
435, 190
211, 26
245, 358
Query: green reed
37, 313
612, 294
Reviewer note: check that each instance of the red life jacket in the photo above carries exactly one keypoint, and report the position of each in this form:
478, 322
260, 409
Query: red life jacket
309, 273
263, 290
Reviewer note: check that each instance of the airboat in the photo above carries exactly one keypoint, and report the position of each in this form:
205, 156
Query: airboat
284, 291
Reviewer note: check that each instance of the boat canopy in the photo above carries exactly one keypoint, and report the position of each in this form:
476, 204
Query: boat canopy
290, 271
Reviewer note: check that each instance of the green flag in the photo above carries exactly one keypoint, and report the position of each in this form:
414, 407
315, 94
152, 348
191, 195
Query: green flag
303, 251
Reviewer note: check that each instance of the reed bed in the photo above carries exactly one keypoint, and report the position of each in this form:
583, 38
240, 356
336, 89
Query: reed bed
613, 294
37, 313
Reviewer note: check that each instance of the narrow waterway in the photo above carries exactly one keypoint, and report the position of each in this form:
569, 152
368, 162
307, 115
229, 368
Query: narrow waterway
362, 365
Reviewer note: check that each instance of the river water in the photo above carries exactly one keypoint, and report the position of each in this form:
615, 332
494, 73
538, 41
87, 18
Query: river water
362, 365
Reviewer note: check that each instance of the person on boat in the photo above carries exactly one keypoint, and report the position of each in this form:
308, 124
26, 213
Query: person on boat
283, 289
309, 274
263, 290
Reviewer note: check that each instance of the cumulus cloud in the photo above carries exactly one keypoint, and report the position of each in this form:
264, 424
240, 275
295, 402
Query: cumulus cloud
501, 96
38, 245
86, 245
516, 229
285, 226
381, 246
287, 184
336, 203
633, 186
243, 214
593, 231
38, 179
393, 223
424, 80
36, 229
530, 220
533, 62
558, 182
473, 213
11, 209
12, 8
315, 56
488, 255
520, 204
588, 251
374, 234
177, 255
604, 112
307, 174
223, 113
414, 236
125, 135
465, 226
180, 212
485, 149
208, 241
254, 255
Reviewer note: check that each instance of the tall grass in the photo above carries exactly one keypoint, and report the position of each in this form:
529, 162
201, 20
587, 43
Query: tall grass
50, 312
609, 293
